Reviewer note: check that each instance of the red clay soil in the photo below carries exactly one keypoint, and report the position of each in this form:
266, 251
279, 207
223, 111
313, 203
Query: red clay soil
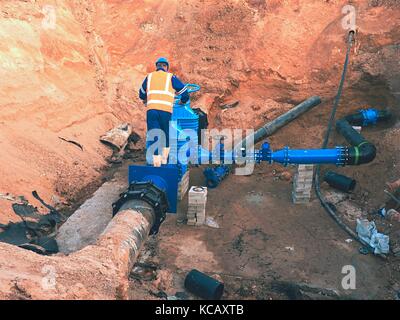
80, 79
263, 238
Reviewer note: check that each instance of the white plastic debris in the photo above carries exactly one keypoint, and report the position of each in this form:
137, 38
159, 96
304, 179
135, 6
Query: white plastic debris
118, 137
368, 233
7, 196
289, 248
210, 222
349, 240
365, 229
380, 243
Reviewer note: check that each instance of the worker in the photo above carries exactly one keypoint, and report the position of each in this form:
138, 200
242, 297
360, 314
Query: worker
158, 94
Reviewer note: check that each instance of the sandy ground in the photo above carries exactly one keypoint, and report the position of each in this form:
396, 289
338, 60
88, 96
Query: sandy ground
264, 238
80, 79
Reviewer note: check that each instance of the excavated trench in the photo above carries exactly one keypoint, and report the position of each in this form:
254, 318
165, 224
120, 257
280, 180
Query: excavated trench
86, 227
89, 225
254, 61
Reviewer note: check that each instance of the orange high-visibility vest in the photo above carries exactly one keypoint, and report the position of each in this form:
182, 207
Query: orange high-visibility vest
160, 93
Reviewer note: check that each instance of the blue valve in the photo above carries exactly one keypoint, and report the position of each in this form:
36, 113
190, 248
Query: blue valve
192, 87
370, 116
214, 176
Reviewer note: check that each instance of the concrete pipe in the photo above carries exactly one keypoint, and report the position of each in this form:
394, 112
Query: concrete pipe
98, 271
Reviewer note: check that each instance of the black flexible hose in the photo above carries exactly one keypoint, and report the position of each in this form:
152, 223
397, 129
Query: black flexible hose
326, 205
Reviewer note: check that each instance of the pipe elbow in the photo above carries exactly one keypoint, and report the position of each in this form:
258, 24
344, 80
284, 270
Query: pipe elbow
362, 151
344, 128
362, 154
367, 152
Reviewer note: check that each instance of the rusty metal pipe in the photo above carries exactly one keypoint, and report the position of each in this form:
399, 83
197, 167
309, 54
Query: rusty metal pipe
98, 271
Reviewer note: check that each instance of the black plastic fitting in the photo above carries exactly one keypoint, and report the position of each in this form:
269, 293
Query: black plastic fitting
362, 151
204, 286
339, 181
149, 193
357, 119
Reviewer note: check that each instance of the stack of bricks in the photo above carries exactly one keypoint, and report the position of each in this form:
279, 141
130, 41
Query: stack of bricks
302, 183
183, 186
197, 206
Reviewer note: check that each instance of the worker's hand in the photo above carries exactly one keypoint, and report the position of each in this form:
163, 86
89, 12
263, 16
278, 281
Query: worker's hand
181, 103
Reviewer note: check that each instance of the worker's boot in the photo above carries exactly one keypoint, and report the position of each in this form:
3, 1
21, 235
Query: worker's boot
165, 155
157, 161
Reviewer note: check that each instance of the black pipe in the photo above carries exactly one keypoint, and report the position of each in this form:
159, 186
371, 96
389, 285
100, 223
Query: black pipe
328, 206
204, 286
362, 151
271, 127
339, 181
349, 133
358, 119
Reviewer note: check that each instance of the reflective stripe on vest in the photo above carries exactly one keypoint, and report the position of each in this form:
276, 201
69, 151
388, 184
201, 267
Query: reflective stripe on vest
160, 93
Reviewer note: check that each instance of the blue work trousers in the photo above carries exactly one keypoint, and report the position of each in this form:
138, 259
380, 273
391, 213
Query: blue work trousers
157, 119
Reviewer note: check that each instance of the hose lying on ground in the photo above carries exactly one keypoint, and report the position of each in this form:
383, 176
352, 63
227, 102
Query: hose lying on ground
327, 206
362, 151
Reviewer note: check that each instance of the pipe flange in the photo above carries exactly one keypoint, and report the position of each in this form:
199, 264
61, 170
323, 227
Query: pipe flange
149, 193
286, 160
343, 155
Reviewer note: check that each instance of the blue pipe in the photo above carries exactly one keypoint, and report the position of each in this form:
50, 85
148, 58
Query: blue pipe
308, 156
285, 156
